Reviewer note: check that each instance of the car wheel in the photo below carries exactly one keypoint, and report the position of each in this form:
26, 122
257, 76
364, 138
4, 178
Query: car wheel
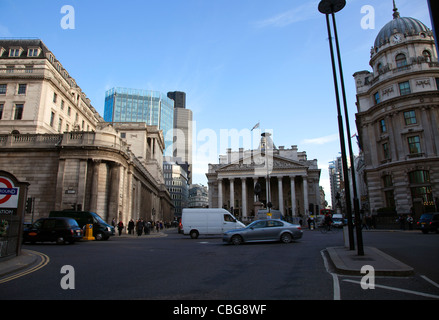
194, 234
99, 236
60, 240
286, 237
236, 240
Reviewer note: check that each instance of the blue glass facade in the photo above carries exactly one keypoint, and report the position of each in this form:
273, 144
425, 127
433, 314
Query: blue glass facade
132, 105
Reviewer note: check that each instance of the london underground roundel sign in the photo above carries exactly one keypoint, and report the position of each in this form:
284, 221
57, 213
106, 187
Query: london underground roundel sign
8, 193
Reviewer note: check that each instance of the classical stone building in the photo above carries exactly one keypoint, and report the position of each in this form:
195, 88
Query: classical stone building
287, 180
398, 119
53, 138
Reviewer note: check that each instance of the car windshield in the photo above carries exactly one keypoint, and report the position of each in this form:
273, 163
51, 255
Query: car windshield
98, 218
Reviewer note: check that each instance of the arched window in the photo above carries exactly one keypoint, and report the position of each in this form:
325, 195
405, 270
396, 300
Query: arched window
427, 55
401, 61
380, 68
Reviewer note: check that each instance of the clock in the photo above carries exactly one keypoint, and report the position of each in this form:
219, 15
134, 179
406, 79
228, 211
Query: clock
396, 38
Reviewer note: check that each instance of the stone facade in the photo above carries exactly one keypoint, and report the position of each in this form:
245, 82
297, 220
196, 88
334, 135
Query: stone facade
287, 179
398, 118
53, 138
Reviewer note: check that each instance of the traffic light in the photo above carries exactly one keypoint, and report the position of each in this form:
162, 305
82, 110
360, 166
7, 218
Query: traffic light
29, 204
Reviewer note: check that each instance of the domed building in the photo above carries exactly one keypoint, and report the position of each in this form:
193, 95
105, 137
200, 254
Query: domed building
398, 119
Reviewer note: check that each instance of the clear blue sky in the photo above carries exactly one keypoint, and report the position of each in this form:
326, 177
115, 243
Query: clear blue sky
239, 61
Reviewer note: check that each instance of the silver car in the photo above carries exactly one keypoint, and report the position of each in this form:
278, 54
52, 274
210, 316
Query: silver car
264, 230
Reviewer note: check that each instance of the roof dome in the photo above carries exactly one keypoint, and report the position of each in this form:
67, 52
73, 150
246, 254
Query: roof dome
408, 26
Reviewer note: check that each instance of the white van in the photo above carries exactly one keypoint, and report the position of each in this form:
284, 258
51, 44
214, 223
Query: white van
208, 222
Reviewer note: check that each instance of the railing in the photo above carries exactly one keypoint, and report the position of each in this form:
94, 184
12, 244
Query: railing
83, 139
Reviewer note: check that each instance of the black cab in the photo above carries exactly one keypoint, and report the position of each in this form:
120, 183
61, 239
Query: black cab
59, 230
101, 230
429, 222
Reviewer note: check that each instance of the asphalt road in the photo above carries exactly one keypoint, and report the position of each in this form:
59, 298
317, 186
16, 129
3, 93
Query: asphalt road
178, 268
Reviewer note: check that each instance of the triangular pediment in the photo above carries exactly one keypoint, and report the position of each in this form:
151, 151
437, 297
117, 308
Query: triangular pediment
258, 162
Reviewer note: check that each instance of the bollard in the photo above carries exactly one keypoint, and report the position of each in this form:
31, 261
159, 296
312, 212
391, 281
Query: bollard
88, 232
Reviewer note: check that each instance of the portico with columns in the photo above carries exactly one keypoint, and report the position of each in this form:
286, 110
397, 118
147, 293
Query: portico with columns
291, 183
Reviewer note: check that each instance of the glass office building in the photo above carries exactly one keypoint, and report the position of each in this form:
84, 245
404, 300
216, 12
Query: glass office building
151, 107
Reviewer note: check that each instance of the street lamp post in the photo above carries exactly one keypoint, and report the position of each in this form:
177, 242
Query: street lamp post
331, 7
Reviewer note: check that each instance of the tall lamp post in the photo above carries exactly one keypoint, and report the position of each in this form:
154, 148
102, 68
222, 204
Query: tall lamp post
331, 7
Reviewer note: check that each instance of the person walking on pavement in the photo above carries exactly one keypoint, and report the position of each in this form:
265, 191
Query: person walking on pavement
131, 226
139, 227
410, 222
120, 227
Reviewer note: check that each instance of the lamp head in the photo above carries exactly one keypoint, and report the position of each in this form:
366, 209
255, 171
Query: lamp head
331, 6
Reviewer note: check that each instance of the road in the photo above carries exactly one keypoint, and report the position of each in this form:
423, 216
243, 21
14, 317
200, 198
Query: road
178, 268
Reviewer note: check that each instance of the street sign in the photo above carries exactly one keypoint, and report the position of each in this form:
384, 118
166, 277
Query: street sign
9, 194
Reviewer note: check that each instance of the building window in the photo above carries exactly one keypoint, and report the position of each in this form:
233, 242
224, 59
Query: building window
33, 52
380, 68
59, 125
52, 118
419, 177
18, 115
383, 127
427, 55
437, 83
410, 117
3, 88
14, 52
69, 111
404, 88
377, 98
401, 62
386, 151
55, 97
414, 145
426, 194
390, 198
387, 181
62, 104
22, 88
1, 111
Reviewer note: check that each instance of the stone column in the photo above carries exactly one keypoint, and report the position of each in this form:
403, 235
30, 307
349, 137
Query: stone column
113, 203
220, 193
255, 180
281, 196
293, 197
95, 186
82, 182
305, 194
232, 193
244, 197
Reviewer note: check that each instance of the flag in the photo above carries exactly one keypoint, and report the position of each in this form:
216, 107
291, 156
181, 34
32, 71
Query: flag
255, 127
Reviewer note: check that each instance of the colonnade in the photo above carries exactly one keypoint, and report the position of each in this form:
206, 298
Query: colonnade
298, 200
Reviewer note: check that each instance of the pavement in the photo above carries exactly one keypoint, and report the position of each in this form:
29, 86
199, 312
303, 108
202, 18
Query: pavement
344, 261
348, 262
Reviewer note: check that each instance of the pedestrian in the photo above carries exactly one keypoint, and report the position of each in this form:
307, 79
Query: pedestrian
146, 225
113, 223
120, 227
401, 222
410, 222
131, 227
364, 223
139, 227
157, 226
